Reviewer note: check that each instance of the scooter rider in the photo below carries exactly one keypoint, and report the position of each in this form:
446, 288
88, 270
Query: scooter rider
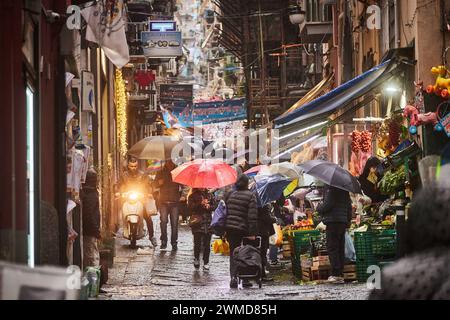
134, 178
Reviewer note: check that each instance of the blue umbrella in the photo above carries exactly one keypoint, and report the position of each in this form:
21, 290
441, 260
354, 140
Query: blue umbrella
270, 188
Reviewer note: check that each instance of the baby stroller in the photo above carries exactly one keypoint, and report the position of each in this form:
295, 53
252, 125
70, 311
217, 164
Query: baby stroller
247, 259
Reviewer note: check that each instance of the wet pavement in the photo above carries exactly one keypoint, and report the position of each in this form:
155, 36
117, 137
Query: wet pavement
166, 275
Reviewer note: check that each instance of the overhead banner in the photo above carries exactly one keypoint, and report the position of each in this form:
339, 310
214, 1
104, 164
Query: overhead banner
175, 93
183, 115
162, 44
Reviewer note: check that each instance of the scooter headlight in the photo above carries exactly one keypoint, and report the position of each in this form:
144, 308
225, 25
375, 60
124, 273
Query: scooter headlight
133, 196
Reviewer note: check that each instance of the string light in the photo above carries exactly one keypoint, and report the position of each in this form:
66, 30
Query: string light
120, 100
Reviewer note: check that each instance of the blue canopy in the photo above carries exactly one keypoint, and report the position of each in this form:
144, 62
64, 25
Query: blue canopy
340, 96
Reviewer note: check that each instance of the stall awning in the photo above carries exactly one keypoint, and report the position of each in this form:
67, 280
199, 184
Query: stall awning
342, 95
312, 94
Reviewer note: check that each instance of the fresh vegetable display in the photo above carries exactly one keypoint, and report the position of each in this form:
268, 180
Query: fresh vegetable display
392, 181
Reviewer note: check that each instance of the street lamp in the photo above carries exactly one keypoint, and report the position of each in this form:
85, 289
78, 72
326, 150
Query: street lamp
296, 15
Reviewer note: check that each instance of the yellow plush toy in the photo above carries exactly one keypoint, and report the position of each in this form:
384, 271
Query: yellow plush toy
442, 85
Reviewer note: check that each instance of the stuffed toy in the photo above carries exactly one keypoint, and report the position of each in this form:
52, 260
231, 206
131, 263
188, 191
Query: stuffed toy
442, 85
418, 119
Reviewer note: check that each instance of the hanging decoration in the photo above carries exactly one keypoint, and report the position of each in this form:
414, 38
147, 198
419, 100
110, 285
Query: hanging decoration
120, 100
419, 119
361, 151
389, 135
442, 85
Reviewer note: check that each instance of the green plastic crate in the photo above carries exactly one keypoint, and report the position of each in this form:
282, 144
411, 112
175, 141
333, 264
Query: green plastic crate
373, 248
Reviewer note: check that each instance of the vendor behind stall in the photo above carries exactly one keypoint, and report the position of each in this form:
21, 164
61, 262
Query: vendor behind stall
369, 180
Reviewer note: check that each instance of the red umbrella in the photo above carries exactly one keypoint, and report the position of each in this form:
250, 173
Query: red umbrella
255, 170
205, 173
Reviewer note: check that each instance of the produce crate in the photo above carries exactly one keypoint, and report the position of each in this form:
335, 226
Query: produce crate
377, 245
373, 248
296, 268
321, 261
320, 273
306, 274
287, 250
306, 262
299, 242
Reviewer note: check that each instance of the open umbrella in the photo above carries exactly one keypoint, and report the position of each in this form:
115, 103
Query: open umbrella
270, 188
286, 169
205, 173
253, 171
154, 148
332, 174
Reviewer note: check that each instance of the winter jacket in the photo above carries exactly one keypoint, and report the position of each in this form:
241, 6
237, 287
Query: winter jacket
336, 207
195, 207
90, 212
242, 213
265, 221
422, 276
169, 191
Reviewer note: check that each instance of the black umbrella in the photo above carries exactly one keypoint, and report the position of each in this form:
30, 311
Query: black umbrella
332, 174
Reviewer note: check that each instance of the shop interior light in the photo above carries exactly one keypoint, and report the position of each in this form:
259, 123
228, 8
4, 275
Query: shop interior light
301, 130
392, 87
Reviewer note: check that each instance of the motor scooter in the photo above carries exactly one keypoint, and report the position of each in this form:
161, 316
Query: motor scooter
133, 216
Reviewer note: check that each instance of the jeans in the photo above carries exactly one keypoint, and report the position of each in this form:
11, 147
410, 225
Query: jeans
234, 239
149, 222
199, 240
273, 253
166, 210
336, 247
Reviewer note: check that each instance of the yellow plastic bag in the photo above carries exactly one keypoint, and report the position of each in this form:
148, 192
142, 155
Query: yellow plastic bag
277, 238
220, 246
216, 245
225, 248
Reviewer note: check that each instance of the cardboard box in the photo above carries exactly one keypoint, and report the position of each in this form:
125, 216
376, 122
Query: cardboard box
350, 268
321, 261
306, 262
321, 258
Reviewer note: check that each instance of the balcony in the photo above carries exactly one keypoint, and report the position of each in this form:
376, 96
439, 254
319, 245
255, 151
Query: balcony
318, 27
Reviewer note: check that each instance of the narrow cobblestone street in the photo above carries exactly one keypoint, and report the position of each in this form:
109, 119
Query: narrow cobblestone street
171, 275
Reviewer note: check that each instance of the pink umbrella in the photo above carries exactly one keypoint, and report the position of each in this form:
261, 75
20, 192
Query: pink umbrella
255, 170
205, 173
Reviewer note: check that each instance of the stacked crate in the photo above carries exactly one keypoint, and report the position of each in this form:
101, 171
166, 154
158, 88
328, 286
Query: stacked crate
373, 248
300, 243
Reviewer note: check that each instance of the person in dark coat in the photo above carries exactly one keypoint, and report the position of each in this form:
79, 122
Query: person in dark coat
424, 274
200, 206
169, 201
242, 219
91, 220
265, 230
369, 179
336, 212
